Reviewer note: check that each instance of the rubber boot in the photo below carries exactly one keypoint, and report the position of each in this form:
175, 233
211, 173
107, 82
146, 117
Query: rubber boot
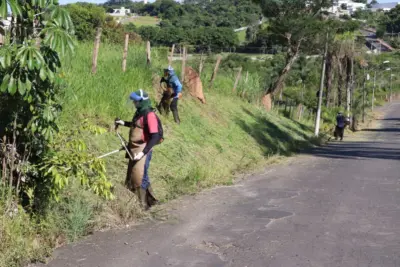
143, 199
151, 199
176, 116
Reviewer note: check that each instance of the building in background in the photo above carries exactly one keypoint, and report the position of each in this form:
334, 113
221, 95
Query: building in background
384, 6
120, 12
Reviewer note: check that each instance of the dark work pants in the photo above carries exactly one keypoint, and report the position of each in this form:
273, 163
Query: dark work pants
339, 132
174, 109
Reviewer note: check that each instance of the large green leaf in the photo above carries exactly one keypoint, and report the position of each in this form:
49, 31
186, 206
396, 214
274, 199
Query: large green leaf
14, 6
30, 60
3, 9
12, 86
39, 58
22, 55
50, 74
63, 18
4, 84
21, 87
28, 84
42, 74
58, 39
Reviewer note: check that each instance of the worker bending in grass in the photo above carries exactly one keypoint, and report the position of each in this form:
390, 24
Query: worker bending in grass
145, 132
172, 82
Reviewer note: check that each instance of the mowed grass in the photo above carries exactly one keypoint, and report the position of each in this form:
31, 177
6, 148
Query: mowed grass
143, 21
242, 36
214, 141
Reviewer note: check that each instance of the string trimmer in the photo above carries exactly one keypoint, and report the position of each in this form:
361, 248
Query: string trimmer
123, 142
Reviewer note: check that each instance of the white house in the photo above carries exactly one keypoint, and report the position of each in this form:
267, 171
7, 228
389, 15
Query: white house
120, 12
384, 6
350, 7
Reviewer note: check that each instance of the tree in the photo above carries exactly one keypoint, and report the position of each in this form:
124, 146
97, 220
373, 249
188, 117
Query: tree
86, 17
31, 85
251, 34
30, 82
392, 20
294, 24
374, 2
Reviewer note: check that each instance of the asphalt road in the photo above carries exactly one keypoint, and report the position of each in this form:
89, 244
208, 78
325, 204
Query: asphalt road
337, 205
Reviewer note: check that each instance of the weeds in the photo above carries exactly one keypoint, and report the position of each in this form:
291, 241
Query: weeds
214, 142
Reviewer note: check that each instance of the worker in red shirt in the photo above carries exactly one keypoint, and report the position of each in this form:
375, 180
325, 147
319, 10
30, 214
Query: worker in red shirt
145, 132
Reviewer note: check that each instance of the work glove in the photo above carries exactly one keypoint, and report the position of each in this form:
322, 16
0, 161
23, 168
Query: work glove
120, 122
138, 156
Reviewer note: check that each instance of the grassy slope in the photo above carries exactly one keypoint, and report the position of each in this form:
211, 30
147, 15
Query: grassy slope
214, 140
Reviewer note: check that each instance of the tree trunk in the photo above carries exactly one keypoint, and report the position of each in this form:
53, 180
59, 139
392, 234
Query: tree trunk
267, 102
329, 77
349, 80
341, 68
339, 85
278, 84
214, 75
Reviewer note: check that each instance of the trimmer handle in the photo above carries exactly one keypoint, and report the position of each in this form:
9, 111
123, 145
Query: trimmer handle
116, 124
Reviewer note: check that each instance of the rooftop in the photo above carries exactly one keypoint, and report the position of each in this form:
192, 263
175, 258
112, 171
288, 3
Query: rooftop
385, 5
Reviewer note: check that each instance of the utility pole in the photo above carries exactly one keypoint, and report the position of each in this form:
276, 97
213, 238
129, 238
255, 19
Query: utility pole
373, 92
390, 95
350, 84
363, 99
321, 88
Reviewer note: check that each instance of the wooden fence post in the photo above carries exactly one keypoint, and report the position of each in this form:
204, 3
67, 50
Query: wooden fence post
125, 54
183, 64
171, 55
148, 52
201, 64
96, 50
215, 71
237, 79
245, 82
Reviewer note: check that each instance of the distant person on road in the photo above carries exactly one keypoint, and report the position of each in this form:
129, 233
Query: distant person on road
173, 84
145, 132
341, 123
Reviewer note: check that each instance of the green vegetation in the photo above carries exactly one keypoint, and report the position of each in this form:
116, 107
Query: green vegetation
209, 146
199, 13
57, 116
143, 21
241, 36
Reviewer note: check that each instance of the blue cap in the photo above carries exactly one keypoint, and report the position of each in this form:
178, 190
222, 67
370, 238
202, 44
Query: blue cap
139, 95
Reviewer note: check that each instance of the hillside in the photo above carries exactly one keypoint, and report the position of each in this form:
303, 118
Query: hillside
214, 142
57, 117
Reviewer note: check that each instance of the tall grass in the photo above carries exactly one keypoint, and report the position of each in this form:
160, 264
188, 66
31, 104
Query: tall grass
214, 142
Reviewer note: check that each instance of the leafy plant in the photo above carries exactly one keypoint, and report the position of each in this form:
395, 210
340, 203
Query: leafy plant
40, 35
70, 162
